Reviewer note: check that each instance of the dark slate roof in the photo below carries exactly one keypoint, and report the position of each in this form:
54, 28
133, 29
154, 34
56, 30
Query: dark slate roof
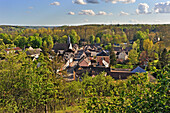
33, 52
138, 70
103, 53
128, 48
117, 48
59, 46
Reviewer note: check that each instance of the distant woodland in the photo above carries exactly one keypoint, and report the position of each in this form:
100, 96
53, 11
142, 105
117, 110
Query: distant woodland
107, 34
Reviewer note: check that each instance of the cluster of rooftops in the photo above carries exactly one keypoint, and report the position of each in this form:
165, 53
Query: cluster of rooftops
88, 58
93, 59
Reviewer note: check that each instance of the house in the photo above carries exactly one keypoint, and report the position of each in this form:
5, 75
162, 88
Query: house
76, 47
103, 59
82, 42
138, 70
33, 53
14, 49
85, 62
79, 55
117, 49
127, 49
123, 55
65, 50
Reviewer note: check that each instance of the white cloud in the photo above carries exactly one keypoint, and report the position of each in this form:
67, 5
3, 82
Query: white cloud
157, 21
87, 12
55, 3
163, 7
123, 1
142, 8
81, 2
101, 13
71, 13
92, 1
134, 21
123, 13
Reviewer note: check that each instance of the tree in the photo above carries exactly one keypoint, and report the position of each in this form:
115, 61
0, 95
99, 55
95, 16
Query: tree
164, 58
74, 37
92, 39
97, 40
143, 58
133, 56
27, 87
99, 34
140, 35
124, 37
134, 46
148, 46
45, 49
137, 44
22, 42
63, 39
159, 47
112, 56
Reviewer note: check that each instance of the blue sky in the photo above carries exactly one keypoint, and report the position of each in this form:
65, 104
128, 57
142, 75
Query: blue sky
76, 12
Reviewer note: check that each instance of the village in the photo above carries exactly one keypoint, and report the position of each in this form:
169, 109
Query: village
92, 59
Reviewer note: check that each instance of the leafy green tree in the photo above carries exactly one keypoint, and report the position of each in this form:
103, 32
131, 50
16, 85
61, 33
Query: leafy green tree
124, 37
133, 56
99, 34
148, 46
55, 38
112, 57
37, 42
138, 45
140, 35
6, 38
134, 46
27, 87
92, 39
97, 40
74, 37
45, 49
63, 39
136, 94
22, 42
164, 58
49, 40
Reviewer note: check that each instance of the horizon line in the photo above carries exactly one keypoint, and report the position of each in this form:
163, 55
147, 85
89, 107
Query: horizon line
60, 25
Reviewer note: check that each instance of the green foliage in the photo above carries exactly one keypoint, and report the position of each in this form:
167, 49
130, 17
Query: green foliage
108, 46
123, 66
112, 57
92, 39
140, 35
164, 58
26, 87
136, 94
74, 37
97, 40
133, 56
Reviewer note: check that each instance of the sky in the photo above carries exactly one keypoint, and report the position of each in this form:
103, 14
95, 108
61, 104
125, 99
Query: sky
78, 12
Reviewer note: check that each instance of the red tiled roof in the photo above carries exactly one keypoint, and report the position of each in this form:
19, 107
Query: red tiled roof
15, 48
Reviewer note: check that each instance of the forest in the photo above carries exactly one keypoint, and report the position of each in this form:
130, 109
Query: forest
27, 87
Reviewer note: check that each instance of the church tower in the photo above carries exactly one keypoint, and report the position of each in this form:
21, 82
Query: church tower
69, 42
